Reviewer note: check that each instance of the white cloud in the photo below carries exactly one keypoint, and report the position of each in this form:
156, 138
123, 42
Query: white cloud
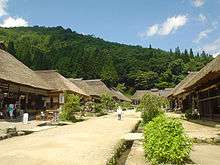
203, 34
152, 30
169, 26
198, 3
172, 24
202, 18
14, 22
3, 6
213, 48
10, 21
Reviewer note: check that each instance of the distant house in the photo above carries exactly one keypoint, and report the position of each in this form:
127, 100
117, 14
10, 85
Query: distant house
180, 98
205, 88
80, 83
119, 96
60, 85
138, 95
20, 85
96, 88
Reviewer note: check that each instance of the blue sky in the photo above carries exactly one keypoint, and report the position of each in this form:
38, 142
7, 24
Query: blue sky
164, 24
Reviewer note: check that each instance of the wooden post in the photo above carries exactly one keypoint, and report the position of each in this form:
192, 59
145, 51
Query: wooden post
26, 102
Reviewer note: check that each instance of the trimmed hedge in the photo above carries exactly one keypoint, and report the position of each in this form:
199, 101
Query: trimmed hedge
166, 142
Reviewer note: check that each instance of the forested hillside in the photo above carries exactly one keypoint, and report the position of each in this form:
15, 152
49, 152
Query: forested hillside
75, 55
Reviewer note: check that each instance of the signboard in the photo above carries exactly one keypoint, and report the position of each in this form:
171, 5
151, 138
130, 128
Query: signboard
61, 98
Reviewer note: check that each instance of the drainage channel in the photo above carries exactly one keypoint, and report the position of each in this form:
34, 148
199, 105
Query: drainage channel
123, 149
124, 155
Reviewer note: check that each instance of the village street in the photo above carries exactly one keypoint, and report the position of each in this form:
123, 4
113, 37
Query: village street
89, 142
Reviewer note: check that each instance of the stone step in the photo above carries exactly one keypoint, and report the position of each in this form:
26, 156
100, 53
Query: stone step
133, 136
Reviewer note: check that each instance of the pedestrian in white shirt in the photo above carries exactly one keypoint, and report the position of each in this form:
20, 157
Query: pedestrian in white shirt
119, 113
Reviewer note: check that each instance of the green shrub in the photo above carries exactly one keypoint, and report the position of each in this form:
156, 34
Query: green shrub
126, 105
70, 107
165, 141
108, 103
190, 114
98, 108
150, 107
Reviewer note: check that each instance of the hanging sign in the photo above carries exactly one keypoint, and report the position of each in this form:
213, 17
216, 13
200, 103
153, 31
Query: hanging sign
61, 98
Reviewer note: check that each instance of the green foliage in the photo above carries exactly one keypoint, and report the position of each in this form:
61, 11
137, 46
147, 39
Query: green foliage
144, 80
165, 141
150, 107
107, 102
98, 108
121, 87
191, 115
126, 105
71, 106
163, 85
11, 48
76, 55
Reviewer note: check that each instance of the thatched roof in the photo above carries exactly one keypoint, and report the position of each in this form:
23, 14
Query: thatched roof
80, 83
208, 73
57, 82
140, 93
119, 95
180, 88
98, 87
166, 92
15, 71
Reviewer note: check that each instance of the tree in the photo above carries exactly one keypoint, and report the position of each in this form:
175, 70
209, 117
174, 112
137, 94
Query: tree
11, 48
191, 53
121, 87
177, 51
176, 66
107, 102
71, 106
109, 74
144, 80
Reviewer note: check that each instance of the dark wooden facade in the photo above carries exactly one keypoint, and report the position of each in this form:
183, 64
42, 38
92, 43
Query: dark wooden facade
26, 99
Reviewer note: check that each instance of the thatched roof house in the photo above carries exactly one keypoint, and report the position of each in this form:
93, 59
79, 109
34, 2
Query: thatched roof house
59, 83
166, 92
119, 95
80, 83
180, 88
14, 71
208, 73
140, 93
98, 87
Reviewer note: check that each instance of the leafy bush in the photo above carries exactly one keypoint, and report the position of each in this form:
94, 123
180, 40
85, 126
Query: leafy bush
150, 107
71, 106
190, 114
98, 107
107, 102
126, 105
165, 141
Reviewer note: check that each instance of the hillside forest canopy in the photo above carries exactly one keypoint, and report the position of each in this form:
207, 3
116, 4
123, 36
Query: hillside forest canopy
85, 56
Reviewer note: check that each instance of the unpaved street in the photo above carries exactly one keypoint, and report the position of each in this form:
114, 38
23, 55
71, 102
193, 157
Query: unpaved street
89, 142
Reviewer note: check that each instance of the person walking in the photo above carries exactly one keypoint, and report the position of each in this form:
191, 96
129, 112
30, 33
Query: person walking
119, 113
11, 110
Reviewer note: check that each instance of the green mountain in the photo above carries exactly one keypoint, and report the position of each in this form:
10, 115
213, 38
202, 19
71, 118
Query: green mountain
76, 55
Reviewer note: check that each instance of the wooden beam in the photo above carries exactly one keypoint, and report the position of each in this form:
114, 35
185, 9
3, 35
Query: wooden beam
209, 98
